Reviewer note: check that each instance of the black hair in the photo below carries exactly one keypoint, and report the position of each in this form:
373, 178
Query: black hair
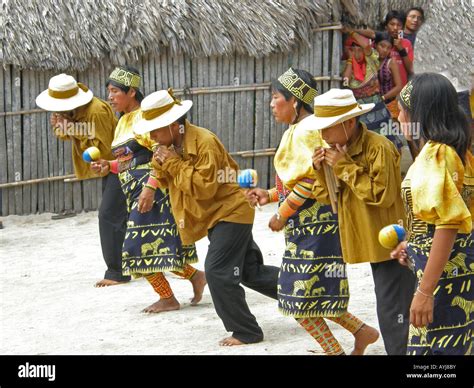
383, 35
434, 104
182, 119
393, 14
309, 80
420, 10
138, 94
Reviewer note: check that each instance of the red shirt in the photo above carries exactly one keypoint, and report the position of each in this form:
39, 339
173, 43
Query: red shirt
398, 59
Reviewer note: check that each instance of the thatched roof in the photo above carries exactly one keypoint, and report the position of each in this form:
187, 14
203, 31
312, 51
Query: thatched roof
72, 34
75, 34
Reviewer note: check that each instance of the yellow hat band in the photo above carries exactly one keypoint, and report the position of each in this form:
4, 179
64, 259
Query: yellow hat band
63, 94
331, 111
154, 113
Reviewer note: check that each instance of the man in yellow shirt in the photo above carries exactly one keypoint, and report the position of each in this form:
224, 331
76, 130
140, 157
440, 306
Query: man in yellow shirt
206, 201
88, 121
367, 166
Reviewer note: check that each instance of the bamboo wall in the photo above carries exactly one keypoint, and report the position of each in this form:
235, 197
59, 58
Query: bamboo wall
231, 97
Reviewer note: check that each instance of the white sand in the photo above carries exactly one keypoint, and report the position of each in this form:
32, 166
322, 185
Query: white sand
48, 304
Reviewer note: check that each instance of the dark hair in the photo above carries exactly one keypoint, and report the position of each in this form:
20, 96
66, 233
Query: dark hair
138, 94
182, 119
434, 104
420, 10
309, 80
383, 35
395, 15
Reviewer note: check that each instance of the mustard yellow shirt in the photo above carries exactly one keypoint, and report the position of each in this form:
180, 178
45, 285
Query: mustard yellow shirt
124, 131
99, 123
369, 197
293, 159
202, 185
441, 189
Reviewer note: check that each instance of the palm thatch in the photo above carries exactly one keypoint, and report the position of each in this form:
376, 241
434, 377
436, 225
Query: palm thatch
73, 34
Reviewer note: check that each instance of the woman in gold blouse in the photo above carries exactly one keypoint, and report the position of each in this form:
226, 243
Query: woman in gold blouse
437, 192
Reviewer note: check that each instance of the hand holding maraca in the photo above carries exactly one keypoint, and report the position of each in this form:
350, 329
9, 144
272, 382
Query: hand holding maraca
98, 165
248, 179
257, 196
400, 253
393, 237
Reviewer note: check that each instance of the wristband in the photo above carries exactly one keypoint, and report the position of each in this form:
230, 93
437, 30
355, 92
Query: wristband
150, 187
152, 183
285, 210
113, 165
273, 195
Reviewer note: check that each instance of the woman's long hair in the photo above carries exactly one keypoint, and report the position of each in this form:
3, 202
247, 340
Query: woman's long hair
434, 105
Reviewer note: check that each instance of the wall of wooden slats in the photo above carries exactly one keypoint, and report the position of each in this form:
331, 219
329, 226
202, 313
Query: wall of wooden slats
241, 119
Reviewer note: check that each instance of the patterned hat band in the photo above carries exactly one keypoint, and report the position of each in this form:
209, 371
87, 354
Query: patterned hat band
125, 78
405, 94
297, 87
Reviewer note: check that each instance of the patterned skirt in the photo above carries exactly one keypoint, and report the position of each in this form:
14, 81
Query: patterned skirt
313, 279
152, 243
378, 119
452, 329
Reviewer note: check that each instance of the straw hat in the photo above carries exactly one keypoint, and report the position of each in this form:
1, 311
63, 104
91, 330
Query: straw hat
63, 94
334, 107
160, 109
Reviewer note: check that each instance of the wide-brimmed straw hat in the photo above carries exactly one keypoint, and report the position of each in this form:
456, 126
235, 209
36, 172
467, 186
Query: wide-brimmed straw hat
160, 109
334, 107
63, 94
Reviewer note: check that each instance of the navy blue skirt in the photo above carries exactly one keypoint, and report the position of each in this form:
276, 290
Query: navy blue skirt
313, 279
452, 329
152, 242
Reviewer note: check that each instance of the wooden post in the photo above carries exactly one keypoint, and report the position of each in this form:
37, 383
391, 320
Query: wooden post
326, 59
27, 136
3, 149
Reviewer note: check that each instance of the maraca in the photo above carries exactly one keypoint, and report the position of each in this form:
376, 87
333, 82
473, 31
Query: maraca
91, 154
247, 178
391, 235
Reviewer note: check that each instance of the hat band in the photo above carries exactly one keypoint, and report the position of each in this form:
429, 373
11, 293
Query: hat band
330, 111
63, 94
154, 113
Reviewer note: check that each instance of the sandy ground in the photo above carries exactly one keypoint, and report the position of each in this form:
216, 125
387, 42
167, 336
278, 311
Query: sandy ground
48, 304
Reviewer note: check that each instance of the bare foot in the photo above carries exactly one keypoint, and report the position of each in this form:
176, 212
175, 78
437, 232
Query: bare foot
199, 282
364, 337
230, 341
107, 283
168, 304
